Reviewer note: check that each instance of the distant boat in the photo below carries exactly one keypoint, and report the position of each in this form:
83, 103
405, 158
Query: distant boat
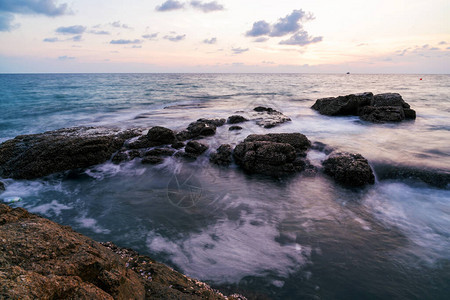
348, 72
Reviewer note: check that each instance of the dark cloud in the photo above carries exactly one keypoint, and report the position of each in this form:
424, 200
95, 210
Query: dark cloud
118, 24
208, 6
75, 29
290, 23
100, 32
259, 28
239, 50
210, 41
125, 42
65, 57
150, 36
175, 38
301, 38
51, 40
36, 7
260, 40
76, 38
170, 5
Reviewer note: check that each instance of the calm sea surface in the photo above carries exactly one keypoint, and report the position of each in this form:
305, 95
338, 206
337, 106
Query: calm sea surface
296, 238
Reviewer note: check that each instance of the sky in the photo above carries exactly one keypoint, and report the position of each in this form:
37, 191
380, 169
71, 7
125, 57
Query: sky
275, 36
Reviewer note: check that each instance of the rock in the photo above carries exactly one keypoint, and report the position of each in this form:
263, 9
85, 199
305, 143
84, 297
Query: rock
389, 99
160, 136
200, 128
2, 187
382, 114
343, 105
410, 114
297, 140
272, 154
236, 119
235, 127
177, 145
37, 155
160, 152
319, 146
269, 118
40, 259
195, 148
349, 169
125, 155
223, 156
152, 160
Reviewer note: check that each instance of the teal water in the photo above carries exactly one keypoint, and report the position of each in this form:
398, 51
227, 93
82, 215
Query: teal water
296, 238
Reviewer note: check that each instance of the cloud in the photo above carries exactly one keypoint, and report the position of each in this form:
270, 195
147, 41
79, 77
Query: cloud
290, 23
65, 57
118, 24
100, 32
261, 40
36, 7
75, 29
170, 5
207, 7
443, 43
175, 38
150, 36
76, 38
210, 41
136, 46
259, 28
51, 40
125, 42
301, 38
239, 50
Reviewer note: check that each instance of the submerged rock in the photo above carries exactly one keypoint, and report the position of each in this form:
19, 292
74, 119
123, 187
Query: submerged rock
388, 107
272, 154
160, 152
2, 187
195, 148
40, 259
125, 155
36, 155
235, 119
235, 127
223, 155
349, 169
269, 117
152, 160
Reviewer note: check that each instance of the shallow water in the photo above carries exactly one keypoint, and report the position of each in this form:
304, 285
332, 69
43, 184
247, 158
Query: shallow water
296, 237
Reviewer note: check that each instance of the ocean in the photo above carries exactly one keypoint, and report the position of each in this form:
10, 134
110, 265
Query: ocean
300, 237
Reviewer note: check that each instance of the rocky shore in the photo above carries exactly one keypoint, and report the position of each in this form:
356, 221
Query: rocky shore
40, 259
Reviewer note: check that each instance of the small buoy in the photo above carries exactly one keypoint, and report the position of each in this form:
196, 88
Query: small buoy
12, 199
420, 78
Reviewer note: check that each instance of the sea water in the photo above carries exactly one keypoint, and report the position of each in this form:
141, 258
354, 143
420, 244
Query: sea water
291, 238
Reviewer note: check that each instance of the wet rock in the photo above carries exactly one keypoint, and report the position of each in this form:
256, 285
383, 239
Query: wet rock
160, 136
177, 145
160, 152
2, 187
195, 148
235, 127
389, 99
40, 259
152, 160
125, 155
37, 155
382, 114
200, 128
297, 140
410, 114
343, 105
349, 169
436, 178
235, 119
269, 117
319, 146
223, 156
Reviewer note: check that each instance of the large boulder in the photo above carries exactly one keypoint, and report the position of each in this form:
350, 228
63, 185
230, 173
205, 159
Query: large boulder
389, 99
156, 136
343, 105
223, 155
272, 154
349, 169
36, 155
381, 114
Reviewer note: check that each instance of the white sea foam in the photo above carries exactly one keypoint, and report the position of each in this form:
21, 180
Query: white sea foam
90, 223
50, 209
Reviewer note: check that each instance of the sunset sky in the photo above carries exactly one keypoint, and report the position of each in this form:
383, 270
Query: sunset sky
326, 36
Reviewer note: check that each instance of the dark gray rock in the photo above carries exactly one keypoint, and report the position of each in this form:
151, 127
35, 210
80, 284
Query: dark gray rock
125, 155
223, 156
235, 127
343, 105
195, 148
268, 117
200, 128
349, 169
389, 99
2, 187
382, 114
235, 119
410, 114
319, 146
270, 158
297, 140
37, 155
152, 160
177, 145
161, 136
